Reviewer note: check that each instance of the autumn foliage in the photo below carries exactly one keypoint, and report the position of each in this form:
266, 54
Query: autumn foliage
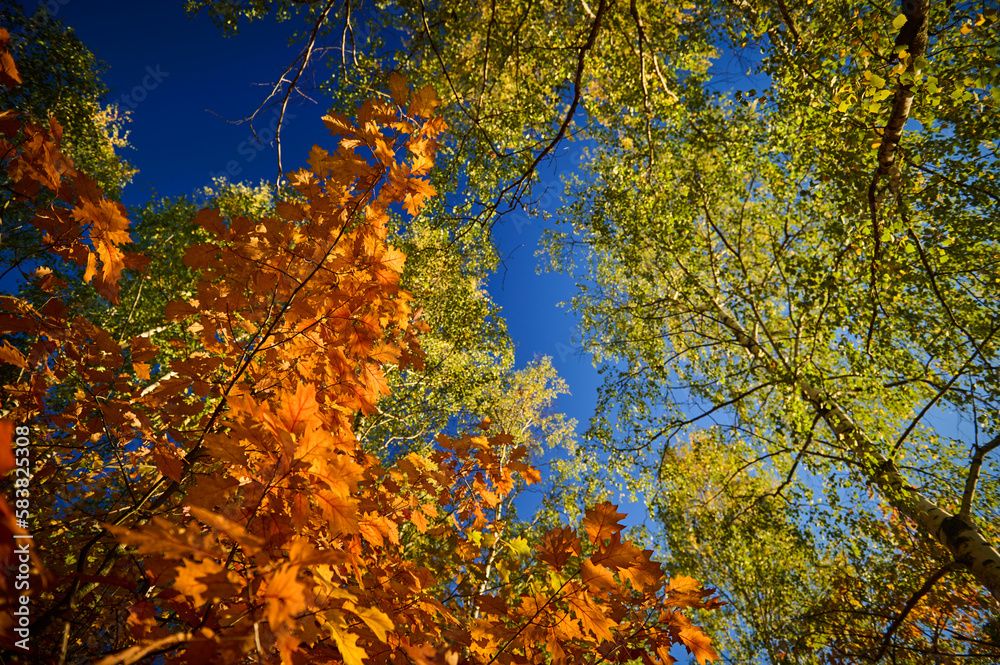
218, 508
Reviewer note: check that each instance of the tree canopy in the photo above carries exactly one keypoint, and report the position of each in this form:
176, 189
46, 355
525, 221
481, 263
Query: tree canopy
788, 277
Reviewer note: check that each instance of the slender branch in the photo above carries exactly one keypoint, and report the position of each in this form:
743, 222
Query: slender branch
970, 482
787, 18
941, 391
645, 89
910, 604
577, 91
306, 57
137, 653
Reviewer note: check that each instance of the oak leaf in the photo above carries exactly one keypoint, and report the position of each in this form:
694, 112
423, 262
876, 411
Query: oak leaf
285, 596
699, 644
398, 88
557, 546
602, 521
425, 100
617, 554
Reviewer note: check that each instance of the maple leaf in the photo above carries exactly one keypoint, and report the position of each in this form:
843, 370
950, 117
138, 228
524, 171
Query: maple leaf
347, 643
602, 521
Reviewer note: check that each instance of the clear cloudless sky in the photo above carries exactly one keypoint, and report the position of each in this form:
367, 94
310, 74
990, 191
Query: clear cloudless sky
184, 83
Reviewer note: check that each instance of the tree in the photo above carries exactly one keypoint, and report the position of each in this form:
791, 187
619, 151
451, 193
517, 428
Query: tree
249, 523
813, 277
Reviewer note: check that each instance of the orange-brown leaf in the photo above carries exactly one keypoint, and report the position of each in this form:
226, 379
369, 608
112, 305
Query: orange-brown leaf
285, 596
347, 642
699, 644
602, 521
168, 461
617, 555
425, 100
12, 356
557, 546
398, 88
9, 75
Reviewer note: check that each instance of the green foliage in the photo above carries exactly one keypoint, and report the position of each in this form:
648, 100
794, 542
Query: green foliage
61, 78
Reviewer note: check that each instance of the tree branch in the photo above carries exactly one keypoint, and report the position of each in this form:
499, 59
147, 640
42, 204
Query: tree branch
910, 604
970, 482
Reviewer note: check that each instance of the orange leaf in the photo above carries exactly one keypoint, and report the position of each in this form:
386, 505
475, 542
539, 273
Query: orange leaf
602, 521
285, 596
12, 356
425, 100
298, 408
596, 576
206, 581
398, 88
168, 461
591, 617
558, 545
9, 75
347, 643
684, 584
342, 512
617, 555
699, 644
645, 574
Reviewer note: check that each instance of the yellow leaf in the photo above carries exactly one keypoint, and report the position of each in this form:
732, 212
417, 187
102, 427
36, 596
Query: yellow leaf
377, 620
347, 643
899, 21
